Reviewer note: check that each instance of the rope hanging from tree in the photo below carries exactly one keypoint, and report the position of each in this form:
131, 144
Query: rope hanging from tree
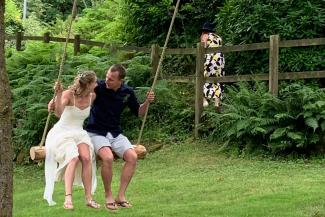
38, 152
158, 67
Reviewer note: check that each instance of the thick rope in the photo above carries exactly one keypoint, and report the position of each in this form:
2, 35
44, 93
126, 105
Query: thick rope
64, 55
158, 68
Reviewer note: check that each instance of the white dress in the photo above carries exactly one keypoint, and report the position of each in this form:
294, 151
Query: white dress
61, 147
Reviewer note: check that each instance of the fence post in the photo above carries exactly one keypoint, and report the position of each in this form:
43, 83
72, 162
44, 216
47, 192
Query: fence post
46, 37
274, 65
19, 38
154, 58
76, 45
199, 82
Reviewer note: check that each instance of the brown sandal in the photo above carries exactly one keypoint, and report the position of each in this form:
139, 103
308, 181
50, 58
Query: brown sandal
124, 204
111, 206
93, 204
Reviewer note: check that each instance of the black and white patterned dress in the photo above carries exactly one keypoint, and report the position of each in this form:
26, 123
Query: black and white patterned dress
213, 67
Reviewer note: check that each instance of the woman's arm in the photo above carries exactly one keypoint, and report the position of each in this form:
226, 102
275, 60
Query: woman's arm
61, 100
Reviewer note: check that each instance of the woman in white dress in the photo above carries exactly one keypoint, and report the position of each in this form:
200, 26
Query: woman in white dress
69, 151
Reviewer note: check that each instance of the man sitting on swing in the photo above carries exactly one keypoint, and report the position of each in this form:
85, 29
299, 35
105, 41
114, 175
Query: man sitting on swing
105, 130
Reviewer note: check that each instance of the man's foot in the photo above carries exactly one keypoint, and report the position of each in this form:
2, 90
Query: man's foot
124, 204
92, 204
111, 206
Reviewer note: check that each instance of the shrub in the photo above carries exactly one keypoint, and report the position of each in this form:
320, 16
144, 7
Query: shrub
243, 22
252, 119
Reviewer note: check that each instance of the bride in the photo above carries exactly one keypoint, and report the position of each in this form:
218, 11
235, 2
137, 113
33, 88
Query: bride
68, 145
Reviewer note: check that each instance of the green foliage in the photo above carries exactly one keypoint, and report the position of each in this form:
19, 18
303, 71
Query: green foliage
170, 117
32, 25
12, 17
48, 11
253, 120
102, 22
143, 17
138, 71
178, 65
243, 22
136, 21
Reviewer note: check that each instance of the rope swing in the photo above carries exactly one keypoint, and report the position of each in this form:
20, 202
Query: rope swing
158, 69
38, 152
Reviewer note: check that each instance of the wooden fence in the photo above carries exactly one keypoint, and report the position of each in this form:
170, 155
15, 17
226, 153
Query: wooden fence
273, 76
77, 41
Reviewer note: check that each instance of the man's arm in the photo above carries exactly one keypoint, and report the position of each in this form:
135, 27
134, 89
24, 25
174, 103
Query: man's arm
150, 98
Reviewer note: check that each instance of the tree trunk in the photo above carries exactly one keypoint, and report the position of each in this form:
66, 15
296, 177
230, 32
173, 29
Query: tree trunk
6, 166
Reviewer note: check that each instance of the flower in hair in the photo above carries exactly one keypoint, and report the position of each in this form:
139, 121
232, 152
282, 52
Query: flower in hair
81, 75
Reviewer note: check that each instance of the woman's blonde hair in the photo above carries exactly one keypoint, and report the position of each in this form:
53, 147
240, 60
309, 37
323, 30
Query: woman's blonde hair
82, 81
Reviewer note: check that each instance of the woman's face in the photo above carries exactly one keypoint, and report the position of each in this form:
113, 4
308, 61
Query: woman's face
204, 37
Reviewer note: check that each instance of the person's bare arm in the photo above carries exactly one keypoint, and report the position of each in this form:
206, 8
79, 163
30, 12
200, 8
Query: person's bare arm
61, 100
150, 98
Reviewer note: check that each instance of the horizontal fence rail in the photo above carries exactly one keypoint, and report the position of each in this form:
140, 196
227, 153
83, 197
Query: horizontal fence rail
76, 41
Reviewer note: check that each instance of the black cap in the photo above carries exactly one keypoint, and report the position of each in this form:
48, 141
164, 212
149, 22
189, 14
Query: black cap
208, 27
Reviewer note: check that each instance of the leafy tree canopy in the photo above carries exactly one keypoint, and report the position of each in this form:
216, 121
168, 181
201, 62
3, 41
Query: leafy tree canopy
12, 17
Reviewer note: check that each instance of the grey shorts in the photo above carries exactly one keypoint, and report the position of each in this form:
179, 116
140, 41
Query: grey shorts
119, 144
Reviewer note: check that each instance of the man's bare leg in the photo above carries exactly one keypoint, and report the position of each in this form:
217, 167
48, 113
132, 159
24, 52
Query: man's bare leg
130, 158
107, 157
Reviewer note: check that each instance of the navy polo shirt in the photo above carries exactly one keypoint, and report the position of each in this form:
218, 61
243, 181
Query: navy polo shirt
105, 113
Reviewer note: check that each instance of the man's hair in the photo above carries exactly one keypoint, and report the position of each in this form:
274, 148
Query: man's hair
120, 69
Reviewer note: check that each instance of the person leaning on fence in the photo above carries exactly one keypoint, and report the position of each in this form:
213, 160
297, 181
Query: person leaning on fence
213, 65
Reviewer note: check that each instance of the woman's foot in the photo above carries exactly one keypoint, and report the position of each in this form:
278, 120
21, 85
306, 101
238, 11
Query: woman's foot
68, 202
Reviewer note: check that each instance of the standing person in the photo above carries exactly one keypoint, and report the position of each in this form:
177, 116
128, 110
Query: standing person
106, 134
67, 143
213, 66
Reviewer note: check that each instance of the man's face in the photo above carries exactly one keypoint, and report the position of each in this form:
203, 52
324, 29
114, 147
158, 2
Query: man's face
112, 80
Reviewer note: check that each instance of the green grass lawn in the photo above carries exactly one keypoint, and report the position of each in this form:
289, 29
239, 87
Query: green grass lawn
192, 180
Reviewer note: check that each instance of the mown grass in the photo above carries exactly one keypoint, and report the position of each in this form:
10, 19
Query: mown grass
193, 180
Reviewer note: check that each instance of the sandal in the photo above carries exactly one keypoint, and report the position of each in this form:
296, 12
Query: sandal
124, 204
68, 203
93, 204
111, 206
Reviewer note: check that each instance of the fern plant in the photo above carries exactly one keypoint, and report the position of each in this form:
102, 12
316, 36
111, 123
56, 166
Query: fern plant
252, 119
